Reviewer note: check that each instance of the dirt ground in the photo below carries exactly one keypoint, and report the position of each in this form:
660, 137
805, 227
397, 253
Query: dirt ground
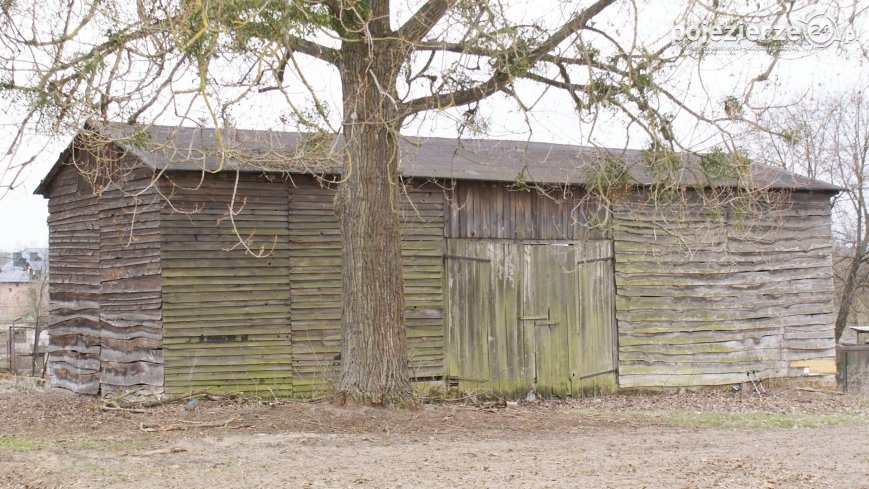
716, 438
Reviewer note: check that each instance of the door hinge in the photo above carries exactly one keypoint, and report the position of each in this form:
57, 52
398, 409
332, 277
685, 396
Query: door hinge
593, 260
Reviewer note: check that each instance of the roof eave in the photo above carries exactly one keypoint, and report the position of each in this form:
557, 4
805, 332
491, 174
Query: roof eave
42, 188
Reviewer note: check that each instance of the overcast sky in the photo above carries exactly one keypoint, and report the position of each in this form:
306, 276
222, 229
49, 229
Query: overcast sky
810, 71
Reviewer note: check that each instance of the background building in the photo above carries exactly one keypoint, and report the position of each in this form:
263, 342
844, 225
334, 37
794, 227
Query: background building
18, 272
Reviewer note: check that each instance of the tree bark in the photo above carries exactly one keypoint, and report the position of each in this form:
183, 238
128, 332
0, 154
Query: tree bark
374, 366
36, 332
849, 288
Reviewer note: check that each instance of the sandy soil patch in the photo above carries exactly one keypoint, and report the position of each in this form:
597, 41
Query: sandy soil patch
694, 440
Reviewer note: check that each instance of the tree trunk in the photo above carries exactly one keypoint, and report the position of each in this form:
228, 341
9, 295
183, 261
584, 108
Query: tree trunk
849, 288
36, 332
374, 368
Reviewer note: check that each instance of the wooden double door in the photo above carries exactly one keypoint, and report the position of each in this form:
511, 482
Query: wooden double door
531, 317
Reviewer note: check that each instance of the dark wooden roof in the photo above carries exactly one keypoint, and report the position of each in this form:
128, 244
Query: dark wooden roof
197, 149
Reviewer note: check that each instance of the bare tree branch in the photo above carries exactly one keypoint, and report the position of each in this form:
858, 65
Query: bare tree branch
502, 75
313, 49
422, 22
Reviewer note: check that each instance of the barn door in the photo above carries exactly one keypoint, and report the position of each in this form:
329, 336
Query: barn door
548, 308
592, 337
530, 317
486, 351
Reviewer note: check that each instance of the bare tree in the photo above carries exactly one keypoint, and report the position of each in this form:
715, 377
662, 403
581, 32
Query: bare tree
201, 61
36, 296
828, 138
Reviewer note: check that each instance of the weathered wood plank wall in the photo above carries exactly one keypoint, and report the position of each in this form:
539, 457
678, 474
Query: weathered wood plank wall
422, 250
315, 255
494, 210
131, 354
226, 312
702, 300
271, 325
315, 285
74, 283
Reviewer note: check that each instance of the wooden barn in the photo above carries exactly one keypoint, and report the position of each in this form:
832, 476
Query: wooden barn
181, 260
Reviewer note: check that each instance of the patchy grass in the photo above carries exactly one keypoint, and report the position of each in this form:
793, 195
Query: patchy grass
79, 469
713, 419
21, 444
105, 445
17, 444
